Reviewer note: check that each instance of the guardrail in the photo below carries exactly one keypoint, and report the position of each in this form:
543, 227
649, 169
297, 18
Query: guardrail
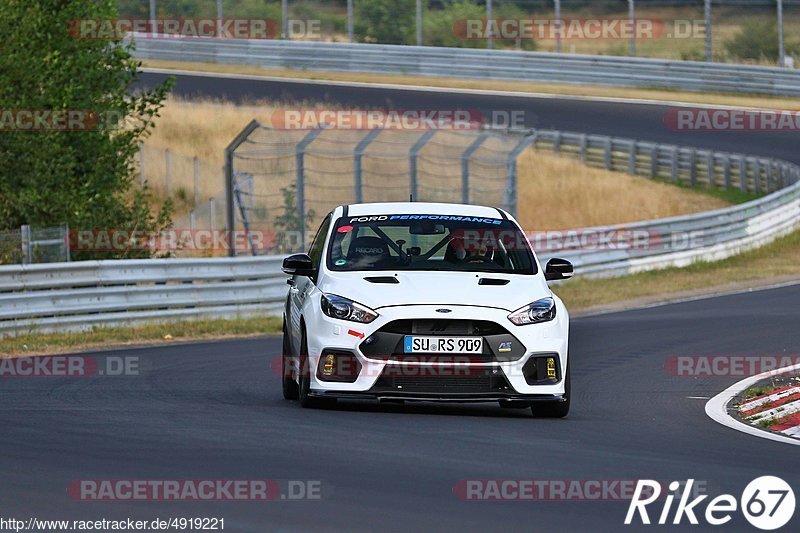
473, 63
678, 241
81, 295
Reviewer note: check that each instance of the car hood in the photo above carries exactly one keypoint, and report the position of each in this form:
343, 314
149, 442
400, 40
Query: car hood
376, 289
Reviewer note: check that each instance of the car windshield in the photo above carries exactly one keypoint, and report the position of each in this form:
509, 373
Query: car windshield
429, 242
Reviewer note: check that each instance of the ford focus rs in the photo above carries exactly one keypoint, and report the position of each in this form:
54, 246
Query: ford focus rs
425, 302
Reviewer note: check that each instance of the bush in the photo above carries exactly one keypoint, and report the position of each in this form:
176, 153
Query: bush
758, 39
444, 27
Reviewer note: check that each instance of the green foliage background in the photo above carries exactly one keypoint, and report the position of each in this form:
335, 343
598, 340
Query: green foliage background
86, 178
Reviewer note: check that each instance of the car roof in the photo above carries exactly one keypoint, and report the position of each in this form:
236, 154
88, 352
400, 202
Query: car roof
421, 208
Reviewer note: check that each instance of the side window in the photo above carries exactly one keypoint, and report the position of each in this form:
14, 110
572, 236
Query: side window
315, 251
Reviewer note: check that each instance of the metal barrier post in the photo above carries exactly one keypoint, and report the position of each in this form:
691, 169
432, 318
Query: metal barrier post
412, 162
742, 174
230, 221
632, 159
300, 184
654, 161
465, 157
510, 201
357, 168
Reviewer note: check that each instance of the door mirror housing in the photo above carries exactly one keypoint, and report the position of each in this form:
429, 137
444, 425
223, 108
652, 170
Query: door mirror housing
298, 265
558, 269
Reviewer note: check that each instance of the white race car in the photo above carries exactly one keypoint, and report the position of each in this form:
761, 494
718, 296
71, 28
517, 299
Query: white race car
427, 302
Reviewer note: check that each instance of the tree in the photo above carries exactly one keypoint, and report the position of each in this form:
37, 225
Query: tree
387, 21
85, 178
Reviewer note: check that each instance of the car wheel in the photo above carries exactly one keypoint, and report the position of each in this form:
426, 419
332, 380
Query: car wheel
291, 390
554, 409
306, 400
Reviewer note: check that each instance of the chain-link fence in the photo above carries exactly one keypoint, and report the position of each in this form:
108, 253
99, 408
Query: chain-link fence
34, 245
189, 181
287, 180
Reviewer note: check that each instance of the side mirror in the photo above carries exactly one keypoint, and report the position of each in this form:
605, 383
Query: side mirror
558, 269
298, 265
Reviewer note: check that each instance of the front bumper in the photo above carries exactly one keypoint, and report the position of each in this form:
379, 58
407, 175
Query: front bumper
490, 377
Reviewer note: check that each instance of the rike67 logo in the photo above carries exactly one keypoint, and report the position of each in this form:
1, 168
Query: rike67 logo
767, 503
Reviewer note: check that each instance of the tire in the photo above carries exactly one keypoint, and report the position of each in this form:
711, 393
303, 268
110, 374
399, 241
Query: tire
291, 390
306, 400
554, 409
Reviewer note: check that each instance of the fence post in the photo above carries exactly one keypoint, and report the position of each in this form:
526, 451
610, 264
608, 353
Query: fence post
357, 169
211, 216
230, 221
141, 164
584, 145
191, 220
692, 167
465, 157
654, 161
770, 176
167, 180
710, 168
726, 170
412, 162
25, 239
607, 156
675, 163
196, 181
632, 159
742, 174
300, 184
757, 184
510, 201
66, 242
557, 142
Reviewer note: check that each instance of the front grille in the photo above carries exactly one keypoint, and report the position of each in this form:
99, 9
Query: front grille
388, 341
484, 381
439, 326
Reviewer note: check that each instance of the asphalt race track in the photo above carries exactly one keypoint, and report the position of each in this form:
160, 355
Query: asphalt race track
630, 120
215, 411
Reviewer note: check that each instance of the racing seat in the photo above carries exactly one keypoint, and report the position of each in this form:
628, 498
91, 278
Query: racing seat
368, 252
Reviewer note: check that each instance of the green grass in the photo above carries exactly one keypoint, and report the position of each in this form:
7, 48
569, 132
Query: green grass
167, 332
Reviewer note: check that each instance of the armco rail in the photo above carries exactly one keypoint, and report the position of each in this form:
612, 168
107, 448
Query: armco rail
82, 295
477, 64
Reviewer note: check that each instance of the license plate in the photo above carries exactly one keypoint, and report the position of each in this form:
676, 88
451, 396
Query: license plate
414, 344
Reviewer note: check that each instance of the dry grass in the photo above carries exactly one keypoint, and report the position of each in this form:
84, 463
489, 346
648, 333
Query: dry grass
564, 191
561, 193
766, 102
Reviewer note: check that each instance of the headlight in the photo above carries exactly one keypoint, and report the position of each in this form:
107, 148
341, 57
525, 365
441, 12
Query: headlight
344, 309
543, 310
